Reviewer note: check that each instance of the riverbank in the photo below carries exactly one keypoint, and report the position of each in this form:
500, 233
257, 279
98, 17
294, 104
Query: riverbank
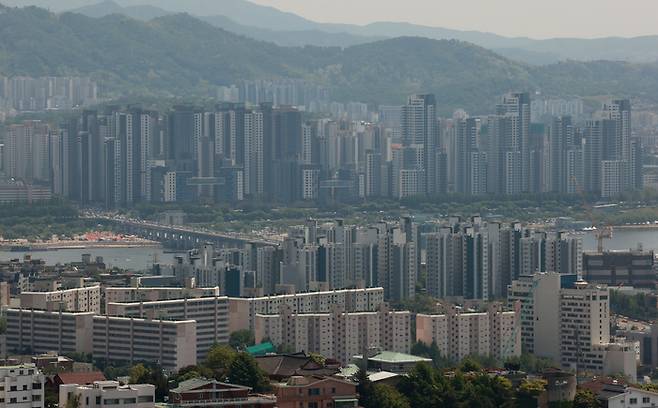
633, 226
56, 246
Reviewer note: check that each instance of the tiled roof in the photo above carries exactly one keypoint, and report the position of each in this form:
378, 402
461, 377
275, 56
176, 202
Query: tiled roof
81, 378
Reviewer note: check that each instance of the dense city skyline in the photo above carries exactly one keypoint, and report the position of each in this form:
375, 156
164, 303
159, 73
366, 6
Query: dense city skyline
221, 204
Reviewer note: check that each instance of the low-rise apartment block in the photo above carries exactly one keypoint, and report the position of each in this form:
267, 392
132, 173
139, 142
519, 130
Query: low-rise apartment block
210, 313
84, 299
458, 333
41, 331
338, 335
108, 394
244, 310
172, 344
22, 386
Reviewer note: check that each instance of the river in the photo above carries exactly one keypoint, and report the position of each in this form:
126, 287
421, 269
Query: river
624, 239
141, 258
135, 259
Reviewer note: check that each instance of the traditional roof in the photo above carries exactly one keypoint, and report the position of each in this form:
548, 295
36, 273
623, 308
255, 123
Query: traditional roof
310, 380
195, 383
288, 365
80, 378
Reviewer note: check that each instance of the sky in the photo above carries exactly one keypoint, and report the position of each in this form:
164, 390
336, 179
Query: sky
530, 18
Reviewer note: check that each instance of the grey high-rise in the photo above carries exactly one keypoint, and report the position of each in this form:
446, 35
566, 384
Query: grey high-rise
419, 128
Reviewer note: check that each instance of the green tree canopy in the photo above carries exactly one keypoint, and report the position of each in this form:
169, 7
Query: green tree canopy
219, 359
585, 399
244, 370
384, 396
241, 339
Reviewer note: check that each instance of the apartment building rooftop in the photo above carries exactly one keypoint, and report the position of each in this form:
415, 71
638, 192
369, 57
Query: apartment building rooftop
393, 358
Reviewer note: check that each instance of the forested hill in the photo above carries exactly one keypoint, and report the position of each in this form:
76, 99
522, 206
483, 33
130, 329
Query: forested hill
181, 55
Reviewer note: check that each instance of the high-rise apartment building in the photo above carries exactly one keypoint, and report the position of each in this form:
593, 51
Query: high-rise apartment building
570, 323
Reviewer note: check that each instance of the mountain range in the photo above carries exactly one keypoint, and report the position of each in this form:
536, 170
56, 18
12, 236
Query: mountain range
177, 54
287, 29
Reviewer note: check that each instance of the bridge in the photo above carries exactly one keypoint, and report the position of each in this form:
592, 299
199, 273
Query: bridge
182, 237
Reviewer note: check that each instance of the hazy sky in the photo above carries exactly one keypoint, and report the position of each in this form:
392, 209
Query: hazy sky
534, 18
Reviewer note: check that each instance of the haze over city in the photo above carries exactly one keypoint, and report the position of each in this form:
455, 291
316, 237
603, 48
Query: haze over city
315, 204
516, 18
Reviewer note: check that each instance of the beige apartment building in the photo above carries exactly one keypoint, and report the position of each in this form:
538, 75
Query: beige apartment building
83, 299
538, 297
244, 310
41, 331
339, 335
460, 333
172, 344
210, 313
570, 325
142, 294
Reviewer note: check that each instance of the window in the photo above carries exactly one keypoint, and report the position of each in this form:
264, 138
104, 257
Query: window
13, 388
632, 401
36, 386
646, 400
98, 400
314, 391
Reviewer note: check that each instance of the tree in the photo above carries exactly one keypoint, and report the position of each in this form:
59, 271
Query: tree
244, 370
73, 401
528, 392
139, 374
530, 363
425, 387
365, 389
469, 365
492, 391
219, 359
585, 399
318, 359
384, 396
433, 352
241, 339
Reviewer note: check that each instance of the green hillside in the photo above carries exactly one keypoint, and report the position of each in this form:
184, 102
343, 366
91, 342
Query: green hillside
181, 55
